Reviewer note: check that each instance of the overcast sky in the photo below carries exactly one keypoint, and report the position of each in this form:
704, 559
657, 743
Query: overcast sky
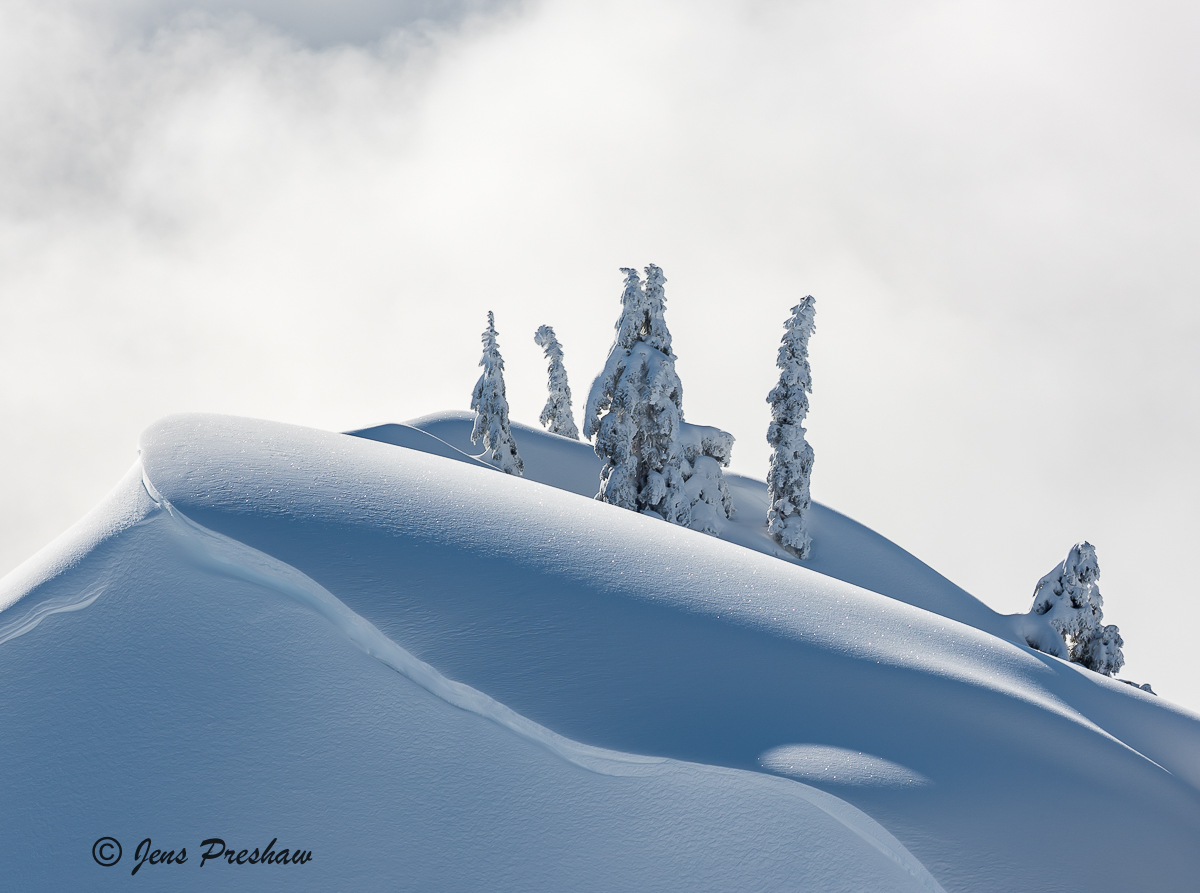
302, 211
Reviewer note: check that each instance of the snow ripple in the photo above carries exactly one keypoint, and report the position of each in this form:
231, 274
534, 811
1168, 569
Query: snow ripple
61, 605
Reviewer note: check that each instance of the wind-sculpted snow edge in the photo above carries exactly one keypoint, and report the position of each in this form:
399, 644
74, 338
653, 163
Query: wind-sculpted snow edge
119, 509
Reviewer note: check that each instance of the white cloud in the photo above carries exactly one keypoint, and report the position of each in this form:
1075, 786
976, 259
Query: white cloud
994, 204
315, 23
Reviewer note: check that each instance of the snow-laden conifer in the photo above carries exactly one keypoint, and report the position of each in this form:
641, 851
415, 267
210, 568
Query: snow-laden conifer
655, 463
791, 456
635, 407
491, 406
706, 450
556, 416
1069, 598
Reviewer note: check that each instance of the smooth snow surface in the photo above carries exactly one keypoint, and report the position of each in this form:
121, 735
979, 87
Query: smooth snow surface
435, 676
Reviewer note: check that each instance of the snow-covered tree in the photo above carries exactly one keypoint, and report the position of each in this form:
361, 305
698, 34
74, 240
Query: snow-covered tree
491, 406
1069, 599
635, 407
706, 451
635, 413
791, 456
556, 416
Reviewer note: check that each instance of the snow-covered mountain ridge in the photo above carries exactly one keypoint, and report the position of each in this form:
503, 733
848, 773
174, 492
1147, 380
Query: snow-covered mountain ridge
258, 601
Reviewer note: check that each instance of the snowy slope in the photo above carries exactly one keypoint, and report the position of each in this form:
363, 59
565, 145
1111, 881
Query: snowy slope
208, 691
437, 676
842, 548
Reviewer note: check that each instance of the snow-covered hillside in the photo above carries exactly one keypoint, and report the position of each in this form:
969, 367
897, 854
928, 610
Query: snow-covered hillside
843, 549
435, 676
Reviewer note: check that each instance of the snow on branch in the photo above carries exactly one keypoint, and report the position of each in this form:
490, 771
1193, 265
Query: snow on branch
791, 461
491, 406
706, 451
556, 416
1069, 599
635, 413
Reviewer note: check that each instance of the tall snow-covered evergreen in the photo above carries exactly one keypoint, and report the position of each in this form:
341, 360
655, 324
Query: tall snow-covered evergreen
491, 406
556, 416
635, 413
791, 456
635, 407
1069, 598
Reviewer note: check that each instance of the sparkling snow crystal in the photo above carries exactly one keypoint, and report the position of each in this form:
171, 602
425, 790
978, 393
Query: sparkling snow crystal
491, 406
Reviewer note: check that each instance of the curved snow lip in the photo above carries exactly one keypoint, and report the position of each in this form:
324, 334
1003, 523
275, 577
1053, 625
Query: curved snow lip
120, 509
829, 765
217, 553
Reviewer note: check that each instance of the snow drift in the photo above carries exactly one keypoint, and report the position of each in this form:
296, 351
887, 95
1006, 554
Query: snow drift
435, 676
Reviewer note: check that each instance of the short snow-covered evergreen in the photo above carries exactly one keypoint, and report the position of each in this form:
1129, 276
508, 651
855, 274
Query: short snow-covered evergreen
791, 455
556, 416
655, 463
491, 406
706, 451
1069, 598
